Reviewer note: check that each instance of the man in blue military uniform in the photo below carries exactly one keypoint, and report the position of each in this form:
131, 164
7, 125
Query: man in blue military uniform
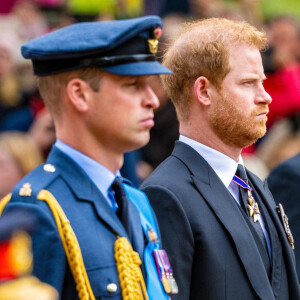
93, 78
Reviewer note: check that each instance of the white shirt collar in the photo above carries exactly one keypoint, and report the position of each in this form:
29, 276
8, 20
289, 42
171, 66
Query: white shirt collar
224, 166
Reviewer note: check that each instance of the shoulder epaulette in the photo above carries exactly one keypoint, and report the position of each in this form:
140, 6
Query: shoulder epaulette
67, 235
30, 186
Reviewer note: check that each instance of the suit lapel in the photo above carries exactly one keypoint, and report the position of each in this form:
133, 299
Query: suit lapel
286, 249
267, 198
84, 189
222, 203
276, 251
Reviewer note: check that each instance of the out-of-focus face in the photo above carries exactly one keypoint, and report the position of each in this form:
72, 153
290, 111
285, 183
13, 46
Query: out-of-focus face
284, 40
238, 114
121, 113
284, 34
6, 61
10, 173
43, 132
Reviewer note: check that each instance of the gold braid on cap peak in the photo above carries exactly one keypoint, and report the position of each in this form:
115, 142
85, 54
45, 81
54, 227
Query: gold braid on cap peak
130, 274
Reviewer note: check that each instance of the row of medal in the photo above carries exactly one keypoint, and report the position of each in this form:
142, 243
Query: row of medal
165, 271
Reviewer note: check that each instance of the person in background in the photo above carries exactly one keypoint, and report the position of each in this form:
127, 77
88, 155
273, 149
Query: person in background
282, 65
219, 222
42, 131
19, 155
9, 84
283, 182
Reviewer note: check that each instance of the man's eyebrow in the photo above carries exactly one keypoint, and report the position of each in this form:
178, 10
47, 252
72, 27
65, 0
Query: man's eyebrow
254, 76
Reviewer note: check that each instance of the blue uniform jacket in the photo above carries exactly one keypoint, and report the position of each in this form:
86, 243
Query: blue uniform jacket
95, 224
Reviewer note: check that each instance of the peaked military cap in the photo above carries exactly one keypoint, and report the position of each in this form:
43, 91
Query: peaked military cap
124, 47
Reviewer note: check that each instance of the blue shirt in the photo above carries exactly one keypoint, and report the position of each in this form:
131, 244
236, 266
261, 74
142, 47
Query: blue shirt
100, 175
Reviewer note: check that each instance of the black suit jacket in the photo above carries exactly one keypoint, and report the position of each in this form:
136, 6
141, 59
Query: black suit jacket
210, 246
284, 183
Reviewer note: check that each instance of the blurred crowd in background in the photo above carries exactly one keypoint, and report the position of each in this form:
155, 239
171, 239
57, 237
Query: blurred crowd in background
26, 128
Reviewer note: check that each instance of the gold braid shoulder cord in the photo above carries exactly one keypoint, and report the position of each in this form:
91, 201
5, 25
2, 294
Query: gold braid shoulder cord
128, 261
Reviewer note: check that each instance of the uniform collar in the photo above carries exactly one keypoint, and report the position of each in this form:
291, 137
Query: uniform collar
100, 175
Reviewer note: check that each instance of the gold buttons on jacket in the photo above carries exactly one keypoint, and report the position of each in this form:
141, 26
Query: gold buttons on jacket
112, 287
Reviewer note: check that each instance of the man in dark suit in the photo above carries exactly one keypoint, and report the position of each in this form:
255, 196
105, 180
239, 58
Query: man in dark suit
218, 221
283, 182
93, 78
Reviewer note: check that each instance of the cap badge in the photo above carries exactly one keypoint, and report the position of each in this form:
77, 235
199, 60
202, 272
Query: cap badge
25, 190
284, 220
153, 43
49, 168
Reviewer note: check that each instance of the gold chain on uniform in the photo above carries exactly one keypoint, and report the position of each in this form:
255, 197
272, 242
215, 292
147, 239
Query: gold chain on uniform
130, 274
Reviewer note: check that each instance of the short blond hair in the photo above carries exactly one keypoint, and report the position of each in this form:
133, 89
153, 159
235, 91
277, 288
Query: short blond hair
51, 87
202, 49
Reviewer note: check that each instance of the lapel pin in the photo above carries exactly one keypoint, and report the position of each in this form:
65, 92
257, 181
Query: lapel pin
152, 235
285, 222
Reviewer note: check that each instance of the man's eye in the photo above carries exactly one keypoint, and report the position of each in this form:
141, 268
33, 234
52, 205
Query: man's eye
132, 83
249, 82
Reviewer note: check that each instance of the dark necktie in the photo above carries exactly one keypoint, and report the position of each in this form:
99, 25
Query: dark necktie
123, 205
241, 173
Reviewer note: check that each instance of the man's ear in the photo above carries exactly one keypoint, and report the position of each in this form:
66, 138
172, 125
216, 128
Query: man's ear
79, 94
201, 90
